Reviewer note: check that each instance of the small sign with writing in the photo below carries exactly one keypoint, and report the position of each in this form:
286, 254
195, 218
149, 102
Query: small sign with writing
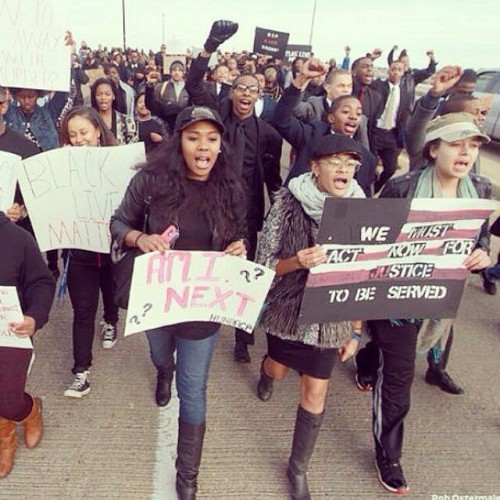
10, 312
270, 42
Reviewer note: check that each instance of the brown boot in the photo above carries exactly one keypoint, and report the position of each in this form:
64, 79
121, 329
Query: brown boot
8, 444
33, 424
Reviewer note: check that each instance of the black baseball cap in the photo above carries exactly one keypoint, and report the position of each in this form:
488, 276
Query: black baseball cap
335, 144
193, 114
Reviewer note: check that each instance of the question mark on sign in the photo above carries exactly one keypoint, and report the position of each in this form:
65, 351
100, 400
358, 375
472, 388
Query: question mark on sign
135, 320
246, 274
147, 308
258, 272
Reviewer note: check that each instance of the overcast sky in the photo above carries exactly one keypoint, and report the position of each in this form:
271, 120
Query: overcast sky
461, 32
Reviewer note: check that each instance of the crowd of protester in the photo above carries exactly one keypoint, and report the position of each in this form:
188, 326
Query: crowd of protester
213, 129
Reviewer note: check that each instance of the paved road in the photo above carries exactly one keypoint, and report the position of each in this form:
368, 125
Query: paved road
115, 443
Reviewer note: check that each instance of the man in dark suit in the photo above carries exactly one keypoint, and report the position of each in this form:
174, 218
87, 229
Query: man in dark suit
255, 144
387, 131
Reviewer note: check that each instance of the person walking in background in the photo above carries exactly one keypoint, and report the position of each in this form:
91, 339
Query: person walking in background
88, 272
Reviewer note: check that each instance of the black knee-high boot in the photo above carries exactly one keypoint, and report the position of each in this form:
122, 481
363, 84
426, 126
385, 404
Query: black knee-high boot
437, 374
189, 449
307, 426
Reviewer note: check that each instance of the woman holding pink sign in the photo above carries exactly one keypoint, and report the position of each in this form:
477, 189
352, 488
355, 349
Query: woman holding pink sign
21, 266
188, 183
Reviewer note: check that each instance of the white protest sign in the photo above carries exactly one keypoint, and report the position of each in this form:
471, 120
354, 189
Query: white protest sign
10, 312
8, 179
180, 286
71, 193
32, 49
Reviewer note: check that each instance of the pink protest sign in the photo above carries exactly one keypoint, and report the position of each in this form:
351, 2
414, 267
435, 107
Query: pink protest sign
179, 286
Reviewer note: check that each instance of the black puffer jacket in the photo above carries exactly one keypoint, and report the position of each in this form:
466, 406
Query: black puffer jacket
405, 187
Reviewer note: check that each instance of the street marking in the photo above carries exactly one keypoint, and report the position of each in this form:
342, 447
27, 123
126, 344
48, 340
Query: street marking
166, 449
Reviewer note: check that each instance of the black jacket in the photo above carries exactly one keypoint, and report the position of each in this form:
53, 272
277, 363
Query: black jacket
22, 266
405, 186
302, 137
267, 143
131, 213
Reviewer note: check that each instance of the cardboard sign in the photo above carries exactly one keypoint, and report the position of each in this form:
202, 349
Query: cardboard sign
270, 42
8, 179
10, 312
71, 193
32, 50
293, 51
393, 258
179, 286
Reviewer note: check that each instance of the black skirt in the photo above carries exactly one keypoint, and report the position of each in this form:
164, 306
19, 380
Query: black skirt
306, 359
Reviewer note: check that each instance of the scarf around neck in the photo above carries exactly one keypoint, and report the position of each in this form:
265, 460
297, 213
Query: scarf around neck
312, 199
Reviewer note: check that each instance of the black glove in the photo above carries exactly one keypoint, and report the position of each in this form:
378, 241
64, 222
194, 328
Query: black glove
220, 32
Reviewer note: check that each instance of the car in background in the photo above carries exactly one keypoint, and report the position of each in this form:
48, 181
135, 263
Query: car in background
488, 88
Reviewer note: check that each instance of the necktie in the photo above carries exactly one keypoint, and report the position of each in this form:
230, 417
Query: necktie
389, 110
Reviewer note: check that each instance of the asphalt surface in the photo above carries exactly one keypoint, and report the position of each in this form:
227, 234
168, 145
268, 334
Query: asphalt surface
115, 443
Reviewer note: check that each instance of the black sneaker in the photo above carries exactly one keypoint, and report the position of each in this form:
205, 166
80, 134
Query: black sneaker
109, 335
490, 287
391, 477
80, 386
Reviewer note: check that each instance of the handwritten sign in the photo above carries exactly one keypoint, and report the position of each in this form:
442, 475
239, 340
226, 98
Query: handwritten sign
8, 179
71, 193
393, 258
32, 50
10, 312
270, 42
179, 286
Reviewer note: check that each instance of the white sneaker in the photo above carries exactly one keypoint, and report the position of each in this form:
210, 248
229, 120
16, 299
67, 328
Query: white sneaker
109, 336
80, 386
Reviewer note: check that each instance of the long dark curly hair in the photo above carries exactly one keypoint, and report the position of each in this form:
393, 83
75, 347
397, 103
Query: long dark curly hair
224, 196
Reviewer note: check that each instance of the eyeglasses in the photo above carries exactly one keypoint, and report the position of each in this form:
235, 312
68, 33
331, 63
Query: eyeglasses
336, 163
240, 87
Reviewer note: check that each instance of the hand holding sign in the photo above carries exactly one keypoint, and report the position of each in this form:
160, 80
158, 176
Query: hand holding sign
15, 329
25, 328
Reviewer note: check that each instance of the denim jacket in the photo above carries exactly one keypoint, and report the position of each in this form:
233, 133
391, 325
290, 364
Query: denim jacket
42, 122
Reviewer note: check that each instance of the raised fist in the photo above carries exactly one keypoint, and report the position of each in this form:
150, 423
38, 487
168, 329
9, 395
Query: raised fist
220, 32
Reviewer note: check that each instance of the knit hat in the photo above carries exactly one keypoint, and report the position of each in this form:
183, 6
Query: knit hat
193, 114
454, 127
177, 64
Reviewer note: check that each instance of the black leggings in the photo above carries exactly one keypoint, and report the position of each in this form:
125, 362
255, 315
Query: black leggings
84, 284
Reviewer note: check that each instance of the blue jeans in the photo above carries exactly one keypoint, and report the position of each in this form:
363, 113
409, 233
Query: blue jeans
193, 364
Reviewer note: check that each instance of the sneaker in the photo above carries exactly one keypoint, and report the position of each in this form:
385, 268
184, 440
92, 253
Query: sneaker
391, 477
364, 384
80, 386
108, 335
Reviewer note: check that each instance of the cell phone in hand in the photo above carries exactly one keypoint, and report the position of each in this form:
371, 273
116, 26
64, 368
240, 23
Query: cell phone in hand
170, 235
